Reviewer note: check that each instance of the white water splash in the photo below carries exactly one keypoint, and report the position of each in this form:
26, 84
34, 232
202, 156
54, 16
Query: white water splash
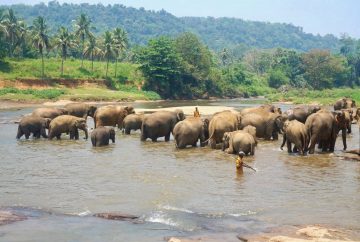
242, 214
85, 213
161, 218
168, 207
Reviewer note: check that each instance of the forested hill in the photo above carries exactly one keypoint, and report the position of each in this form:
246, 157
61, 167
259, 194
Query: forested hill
143, 25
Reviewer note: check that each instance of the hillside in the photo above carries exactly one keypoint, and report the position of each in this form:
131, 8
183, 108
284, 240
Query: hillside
143, 25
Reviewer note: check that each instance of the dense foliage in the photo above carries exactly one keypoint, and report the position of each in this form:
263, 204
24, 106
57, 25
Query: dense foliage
182, 66
143, 25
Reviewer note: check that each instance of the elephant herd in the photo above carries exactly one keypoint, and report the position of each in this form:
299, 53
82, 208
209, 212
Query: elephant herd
234, 132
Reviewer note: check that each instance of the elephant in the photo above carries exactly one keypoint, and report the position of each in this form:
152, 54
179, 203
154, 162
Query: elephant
221, 122
301, 113
240, 140
132, 122
160, 124
81, 110
295, 133
112, 115
267, 108
101, 136
267, 125
348, 118
356, 116
190, 130
344, 103
323, 127
67, 124
49, 112
33, 124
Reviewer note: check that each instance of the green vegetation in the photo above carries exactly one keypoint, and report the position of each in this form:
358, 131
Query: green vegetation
31, 93
142, 25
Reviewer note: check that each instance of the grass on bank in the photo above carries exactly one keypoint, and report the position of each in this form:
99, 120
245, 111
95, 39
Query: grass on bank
12, 69
325, 97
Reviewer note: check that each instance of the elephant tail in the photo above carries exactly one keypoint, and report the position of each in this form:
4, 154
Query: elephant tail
19, 133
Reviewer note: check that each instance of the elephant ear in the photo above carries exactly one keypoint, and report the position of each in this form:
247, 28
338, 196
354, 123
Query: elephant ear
180, 115
340, 119
92, 110
129, 109
47, 122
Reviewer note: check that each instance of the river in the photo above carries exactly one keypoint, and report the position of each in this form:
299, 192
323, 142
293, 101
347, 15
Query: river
175, 192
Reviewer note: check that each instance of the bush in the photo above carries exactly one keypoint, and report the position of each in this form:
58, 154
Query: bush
278, 78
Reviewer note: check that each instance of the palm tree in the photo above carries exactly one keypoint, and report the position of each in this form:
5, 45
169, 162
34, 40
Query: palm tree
120, 44
108, 49
82, 31
40, 38
92, 50
12, 27
64, 40
22, 37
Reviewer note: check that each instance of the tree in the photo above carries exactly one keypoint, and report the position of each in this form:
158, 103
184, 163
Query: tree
321, 68
108, 49
277, 78
12, 28
2, 35
82, 31
161, 65
120, 44
40, 38
92, 50
63, 41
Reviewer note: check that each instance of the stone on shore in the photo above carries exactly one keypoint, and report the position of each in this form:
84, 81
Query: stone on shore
116, 216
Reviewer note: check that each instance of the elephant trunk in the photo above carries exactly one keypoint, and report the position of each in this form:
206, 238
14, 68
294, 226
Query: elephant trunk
344, 138
86, 132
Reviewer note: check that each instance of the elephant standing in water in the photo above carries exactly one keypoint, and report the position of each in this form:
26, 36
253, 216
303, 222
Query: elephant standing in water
267, 125
101, 136
160, 124
81, 110
267, 108
111, 115
295, 133
221, 122
132, 122
301, 113
49, 112
344, 103
33, 124
240, 140
190, 130
67, 124
323, 127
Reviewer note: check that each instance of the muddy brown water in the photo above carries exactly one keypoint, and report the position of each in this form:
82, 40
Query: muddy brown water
58, 184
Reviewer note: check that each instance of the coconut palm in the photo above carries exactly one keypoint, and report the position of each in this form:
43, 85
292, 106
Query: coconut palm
92, 50
120, 44
108, 49
64, 40
23, 37
82, 31
40, 38
12, 27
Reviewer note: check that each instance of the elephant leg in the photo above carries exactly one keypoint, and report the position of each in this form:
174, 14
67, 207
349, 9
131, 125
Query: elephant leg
19, 133
195, 144
154, 139
58, 136
312, 144
167, 137
295, 149
288, 144
127, 131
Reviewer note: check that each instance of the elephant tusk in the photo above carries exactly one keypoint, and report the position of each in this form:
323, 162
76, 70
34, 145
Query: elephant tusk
246, 165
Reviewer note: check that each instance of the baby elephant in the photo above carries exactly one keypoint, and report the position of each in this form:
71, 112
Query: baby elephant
295, 132
240, 140
33, 124
101, 136
67, 124
132, 122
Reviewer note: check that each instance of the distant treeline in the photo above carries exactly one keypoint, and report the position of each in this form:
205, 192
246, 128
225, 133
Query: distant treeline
142, 25
182, 66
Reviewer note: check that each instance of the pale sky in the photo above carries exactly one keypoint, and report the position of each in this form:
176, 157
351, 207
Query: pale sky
315, 16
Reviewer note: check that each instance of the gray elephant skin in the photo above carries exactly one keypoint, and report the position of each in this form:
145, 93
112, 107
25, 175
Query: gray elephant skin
49, 112
240, 140
33, 124
295, 133
67, 124
132, 122
221, 122
112, 115
268, 125
190, 131
344, 103
301, 113
81, 110
160, 124
101, 136
268, 108
323, 127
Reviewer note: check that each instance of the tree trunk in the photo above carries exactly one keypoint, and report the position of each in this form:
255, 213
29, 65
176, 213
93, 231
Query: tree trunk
82, 54
42, 65
107, 67
92, 62
116, 66
62, 66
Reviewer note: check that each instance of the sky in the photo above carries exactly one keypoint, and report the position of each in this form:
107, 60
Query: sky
315, 16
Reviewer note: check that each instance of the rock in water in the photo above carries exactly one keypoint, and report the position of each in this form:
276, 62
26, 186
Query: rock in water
7, 217
116, 216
